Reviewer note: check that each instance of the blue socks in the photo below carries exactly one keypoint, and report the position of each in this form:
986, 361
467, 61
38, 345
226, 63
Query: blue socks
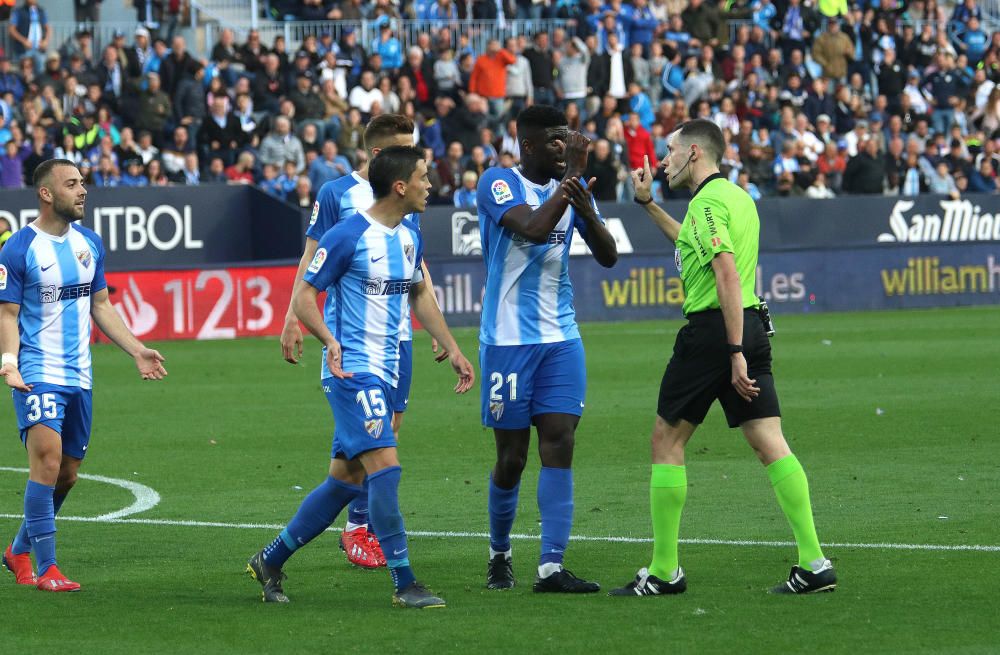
387, 522
555, 504
316, 513
22, 544
502, 508
357, 511
40, 523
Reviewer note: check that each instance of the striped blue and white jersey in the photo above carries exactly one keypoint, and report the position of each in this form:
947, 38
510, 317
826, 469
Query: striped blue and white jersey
338, 200
529, 296
52, 279
368, 268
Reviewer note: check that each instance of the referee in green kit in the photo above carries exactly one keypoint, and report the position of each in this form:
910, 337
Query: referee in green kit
722, 353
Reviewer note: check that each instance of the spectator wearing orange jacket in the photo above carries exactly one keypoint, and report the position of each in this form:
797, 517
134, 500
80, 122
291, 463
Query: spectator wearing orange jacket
489, 76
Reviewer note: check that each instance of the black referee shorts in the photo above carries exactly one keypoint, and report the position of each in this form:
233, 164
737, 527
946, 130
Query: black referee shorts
700, 371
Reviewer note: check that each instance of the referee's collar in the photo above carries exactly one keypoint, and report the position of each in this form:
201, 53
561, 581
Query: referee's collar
713, 176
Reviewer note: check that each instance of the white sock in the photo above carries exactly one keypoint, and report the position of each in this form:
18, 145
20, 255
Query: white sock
494, 553
547, 569
354, 526
820, 564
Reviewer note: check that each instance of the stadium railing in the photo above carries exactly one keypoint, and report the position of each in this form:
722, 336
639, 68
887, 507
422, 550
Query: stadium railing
63, 31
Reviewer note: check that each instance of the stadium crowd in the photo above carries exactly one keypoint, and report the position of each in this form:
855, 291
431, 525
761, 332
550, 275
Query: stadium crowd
880, 97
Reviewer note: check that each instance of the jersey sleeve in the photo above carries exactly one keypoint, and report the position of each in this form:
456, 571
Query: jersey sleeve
12, 265
325, 212
333, 257
99, 283
709, 228
498, 192
418, 240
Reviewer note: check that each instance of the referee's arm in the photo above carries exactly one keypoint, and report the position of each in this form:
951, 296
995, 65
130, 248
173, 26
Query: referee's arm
727, 284
642, 181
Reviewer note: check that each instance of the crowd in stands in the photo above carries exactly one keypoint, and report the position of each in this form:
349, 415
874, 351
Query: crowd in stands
879, 97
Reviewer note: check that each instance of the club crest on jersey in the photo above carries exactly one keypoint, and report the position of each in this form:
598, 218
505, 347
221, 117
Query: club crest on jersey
315, 213
408, 251
3, 277
501, 192
496, 409
374, 427
83, 256
317, 262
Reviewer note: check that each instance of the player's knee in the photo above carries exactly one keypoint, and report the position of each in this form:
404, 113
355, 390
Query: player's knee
510, 464
557, 449
66, 481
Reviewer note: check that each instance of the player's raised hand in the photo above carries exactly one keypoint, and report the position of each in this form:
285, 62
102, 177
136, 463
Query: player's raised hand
466, 374
291, 342
335, 361
642, 181
578, 195
13, 378
577, 146
150, 364
741, 381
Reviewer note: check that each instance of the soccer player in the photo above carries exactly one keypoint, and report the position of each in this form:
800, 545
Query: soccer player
338, 200
51, 286
723, 352
371, 263
531, 356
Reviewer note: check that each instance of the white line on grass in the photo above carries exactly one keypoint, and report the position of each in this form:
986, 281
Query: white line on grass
145, 498
528, 537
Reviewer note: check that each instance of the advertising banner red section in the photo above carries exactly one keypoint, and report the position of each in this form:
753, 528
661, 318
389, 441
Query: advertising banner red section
203, 304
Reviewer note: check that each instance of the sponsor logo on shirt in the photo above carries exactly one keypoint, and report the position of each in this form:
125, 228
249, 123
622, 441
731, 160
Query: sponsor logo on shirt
376, 286
84, 257
3, 277
315, 213
556, 237
716, 242
501, 192
52, 293
317, 262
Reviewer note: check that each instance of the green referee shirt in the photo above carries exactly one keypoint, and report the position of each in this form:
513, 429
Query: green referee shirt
721, 217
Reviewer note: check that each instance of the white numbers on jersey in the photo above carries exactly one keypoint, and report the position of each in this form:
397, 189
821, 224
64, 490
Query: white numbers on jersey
44, 406
497, 382
372, 402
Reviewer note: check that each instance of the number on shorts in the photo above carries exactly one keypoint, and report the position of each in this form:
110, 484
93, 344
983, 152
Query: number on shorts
372, 402
44, 406
496, 379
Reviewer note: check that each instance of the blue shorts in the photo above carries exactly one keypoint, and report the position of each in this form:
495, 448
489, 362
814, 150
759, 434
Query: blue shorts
520, 382
361, 414
401, 394
67, 410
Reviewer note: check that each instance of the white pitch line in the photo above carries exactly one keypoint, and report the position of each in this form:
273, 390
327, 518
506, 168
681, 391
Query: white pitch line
530, 537
145, 497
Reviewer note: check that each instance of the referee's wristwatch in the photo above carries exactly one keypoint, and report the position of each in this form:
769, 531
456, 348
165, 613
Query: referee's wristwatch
735, 348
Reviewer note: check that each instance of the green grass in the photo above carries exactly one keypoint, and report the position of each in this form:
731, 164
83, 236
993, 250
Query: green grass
237, 436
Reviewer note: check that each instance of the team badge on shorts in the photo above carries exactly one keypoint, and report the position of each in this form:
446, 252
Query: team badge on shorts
408, 251
374, 427
501, 192
496, 409
83, 256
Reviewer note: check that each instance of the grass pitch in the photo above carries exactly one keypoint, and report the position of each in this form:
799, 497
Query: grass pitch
894, 416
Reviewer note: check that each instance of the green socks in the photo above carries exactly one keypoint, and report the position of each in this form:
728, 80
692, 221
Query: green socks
667, 493
792, 489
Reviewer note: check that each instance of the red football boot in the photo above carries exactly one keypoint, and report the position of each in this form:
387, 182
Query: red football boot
54, 580
359, 548
376, 548
20, 566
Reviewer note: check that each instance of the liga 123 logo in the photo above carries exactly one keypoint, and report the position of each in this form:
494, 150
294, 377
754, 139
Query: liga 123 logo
3, 277
501, 192
315, 213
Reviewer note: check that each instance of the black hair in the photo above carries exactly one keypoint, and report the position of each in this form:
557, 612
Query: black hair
41, 175
706, 134
539, 117
391, 165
